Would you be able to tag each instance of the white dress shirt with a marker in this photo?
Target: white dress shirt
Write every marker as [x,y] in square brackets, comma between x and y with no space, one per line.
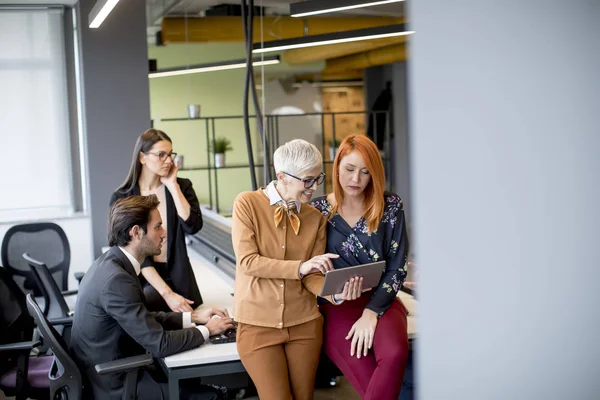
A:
[275,197]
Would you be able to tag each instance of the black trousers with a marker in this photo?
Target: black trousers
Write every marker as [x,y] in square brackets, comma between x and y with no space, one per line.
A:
[180,282]
[154,301]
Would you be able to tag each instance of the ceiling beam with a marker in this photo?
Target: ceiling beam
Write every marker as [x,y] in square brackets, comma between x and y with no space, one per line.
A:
[380,56]
[310,54]
[229,29]
[331,76]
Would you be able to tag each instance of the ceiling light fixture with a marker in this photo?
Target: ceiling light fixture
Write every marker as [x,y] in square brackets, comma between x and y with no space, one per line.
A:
[332,38]
[220,66]
[100,11]
[315,7]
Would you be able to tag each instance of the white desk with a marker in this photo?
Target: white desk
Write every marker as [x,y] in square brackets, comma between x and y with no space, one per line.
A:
[411,306]
[208,359]
[221,359]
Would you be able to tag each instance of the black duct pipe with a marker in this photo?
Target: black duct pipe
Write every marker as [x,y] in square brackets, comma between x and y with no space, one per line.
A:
[259,116]
[246,92]
[248,27]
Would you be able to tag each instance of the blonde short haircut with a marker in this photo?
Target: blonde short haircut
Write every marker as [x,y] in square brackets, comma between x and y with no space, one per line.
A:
[296,156]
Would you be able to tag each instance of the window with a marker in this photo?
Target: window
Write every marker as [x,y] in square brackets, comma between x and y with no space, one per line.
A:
[35,159]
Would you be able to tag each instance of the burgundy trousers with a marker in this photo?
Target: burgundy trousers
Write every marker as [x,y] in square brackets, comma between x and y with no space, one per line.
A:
[378,376]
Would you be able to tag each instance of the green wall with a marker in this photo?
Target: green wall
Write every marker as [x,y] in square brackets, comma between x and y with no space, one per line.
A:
[219,93]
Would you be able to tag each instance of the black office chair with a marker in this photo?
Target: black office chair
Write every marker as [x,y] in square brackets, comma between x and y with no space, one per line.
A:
[54,300]
[44,241]
[21,375]
[55,305]
[66,382]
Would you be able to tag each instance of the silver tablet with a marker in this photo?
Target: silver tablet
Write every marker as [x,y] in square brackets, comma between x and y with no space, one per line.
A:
[335,280]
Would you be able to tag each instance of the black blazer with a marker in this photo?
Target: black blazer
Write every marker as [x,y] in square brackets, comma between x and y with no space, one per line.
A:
[111,322]
[179,269]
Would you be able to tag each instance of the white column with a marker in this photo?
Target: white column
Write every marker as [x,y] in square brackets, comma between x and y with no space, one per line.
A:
[505,148]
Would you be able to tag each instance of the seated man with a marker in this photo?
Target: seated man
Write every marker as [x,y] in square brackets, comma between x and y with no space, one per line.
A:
[111,320]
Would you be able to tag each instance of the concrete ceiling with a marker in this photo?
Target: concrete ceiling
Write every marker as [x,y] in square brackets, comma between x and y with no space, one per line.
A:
[196,8]
[157,9]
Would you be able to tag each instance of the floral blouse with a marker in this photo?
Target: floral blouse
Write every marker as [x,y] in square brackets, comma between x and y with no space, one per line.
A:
[355,246]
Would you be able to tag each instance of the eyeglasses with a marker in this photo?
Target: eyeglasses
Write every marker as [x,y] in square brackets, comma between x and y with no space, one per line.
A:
[162,156]
[309,182]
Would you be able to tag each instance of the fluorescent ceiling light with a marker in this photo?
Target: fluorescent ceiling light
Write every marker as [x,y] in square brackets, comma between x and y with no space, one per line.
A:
[379,32]
[100,11]
[194,69]
[315,7]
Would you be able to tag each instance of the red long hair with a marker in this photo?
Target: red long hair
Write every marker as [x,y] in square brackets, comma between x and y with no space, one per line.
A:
[374,201]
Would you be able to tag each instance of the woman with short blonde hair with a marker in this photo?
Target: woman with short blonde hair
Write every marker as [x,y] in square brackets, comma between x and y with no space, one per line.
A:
[279,242]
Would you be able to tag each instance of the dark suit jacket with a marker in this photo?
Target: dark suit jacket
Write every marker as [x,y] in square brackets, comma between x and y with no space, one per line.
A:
[112,322]
[179,270]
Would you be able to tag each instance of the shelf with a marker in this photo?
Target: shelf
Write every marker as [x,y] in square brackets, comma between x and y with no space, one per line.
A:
[236,166]
[269,116]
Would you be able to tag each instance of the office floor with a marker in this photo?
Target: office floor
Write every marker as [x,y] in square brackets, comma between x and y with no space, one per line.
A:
[343,391]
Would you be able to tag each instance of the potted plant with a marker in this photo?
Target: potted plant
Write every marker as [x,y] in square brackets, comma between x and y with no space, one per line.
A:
[334,143]
[221,146]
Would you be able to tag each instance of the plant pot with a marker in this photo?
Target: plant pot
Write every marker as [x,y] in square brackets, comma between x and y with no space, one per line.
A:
[179,161]
[332,151]
[194,111]
[219,160]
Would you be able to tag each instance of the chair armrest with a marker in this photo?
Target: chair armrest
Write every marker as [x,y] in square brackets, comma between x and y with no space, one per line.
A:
[124,364]
[79,276]
[61,321]
[19,346]
[69,292]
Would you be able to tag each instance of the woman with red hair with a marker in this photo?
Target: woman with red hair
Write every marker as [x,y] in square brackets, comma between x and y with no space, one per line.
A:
[367,337]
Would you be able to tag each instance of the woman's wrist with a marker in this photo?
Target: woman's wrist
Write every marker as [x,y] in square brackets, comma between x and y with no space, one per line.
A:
[367,313]
[173,187]
[165,292]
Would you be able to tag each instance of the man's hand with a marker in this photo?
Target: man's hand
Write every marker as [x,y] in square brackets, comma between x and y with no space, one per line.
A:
[362,334]
[217,325]
[177,302]
[203,316]
[352,289]
[320,264]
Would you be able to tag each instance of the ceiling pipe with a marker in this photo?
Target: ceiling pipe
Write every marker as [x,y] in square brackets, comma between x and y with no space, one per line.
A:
[310,54]
[381,56]
[332,76]
[228,29]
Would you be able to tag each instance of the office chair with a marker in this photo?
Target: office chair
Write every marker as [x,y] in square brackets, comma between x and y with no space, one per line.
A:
[21,376]
[66,381]
[55,306]
[54,301]
[44,241]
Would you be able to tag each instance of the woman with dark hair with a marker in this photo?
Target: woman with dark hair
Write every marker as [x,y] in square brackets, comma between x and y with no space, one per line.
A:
[169,282]
[366,338]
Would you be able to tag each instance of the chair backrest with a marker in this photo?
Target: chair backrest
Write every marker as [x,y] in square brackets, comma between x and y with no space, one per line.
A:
[43,241]
[64,374]
[55,304]
[16,325]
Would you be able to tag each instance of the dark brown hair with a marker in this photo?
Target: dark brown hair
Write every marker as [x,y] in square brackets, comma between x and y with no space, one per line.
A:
[143,145]
[126,213]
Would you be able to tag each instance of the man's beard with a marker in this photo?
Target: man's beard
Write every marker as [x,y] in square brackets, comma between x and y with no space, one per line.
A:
[149,249]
